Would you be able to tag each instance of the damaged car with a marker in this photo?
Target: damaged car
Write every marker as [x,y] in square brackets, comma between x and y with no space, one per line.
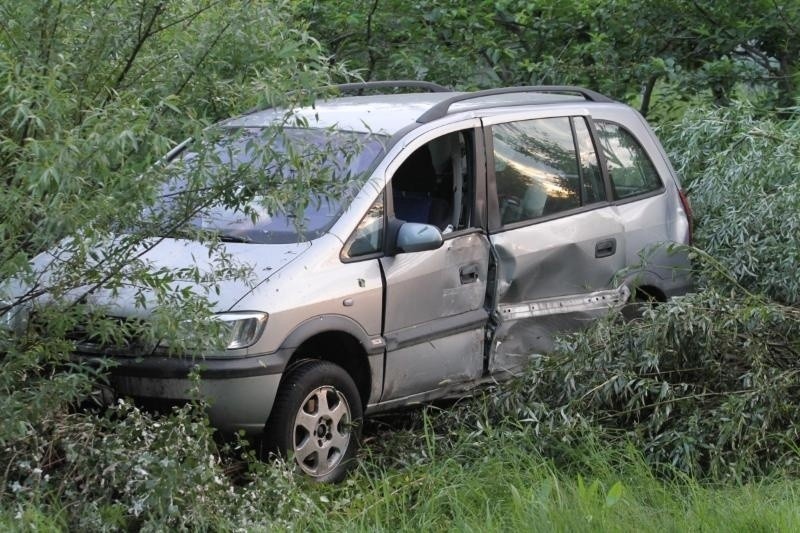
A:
[486,222]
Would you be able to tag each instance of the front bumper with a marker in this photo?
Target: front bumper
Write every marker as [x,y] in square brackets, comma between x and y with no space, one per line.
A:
[240,392]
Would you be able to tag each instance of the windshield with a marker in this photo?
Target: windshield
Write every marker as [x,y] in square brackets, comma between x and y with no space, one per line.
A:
[281,169]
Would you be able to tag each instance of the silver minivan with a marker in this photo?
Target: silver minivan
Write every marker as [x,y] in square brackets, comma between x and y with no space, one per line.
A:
[486,222]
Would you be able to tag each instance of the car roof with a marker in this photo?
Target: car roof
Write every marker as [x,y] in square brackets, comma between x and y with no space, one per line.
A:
[389,113]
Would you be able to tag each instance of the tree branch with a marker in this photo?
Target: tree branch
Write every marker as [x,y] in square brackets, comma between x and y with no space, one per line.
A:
[370,52]
[203,57]
[647,94]
[190,16]
[142,37]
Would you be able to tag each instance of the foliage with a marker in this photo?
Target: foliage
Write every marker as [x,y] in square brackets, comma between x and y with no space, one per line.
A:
[741,171]
[126,468]
[623,48]
[706,383]
[94,93]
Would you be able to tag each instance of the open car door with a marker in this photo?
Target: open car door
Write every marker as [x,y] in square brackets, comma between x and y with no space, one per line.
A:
[435,301]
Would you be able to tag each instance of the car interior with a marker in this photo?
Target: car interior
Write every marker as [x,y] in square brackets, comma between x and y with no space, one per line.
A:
[434,185]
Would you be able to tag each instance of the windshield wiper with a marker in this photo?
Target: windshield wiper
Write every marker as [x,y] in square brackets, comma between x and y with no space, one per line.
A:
[234,238]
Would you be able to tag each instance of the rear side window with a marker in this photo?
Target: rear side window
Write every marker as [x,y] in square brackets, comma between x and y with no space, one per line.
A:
[630,169]
[543,167]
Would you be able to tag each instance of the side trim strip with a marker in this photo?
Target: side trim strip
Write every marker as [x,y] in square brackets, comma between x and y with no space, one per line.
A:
[435,329]
[565,304]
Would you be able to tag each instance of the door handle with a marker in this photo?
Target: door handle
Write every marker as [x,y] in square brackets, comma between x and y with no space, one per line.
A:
[605,248]
[468,274]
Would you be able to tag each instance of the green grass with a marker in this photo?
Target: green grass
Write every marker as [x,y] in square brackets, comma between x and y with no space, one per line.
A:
[499,484]
[31,517]
[430,477]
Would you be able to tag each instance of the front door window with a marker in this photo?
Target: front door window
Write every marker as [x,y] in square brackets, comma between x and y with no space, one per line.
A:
[434,184]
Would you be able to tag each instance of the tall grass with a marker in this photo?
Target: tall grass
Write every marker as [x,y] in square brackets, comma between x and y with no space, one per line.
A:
[423,479]
[499,482]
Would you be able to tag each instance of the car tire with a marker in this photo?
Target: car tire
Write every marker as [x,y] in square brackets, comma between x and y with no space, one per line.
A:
[316,420]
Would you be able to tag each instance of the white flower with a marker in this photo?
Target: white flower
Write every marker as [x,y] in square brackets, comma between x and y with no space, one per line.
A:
[137,508]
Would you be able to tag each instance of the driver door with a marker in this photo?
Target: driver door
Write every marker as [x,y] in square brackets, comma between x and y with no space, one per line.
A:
[434,315]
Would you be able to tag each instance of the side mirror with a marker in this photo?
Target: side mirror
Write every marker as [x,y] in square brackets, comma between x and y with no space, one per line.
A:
[415,237]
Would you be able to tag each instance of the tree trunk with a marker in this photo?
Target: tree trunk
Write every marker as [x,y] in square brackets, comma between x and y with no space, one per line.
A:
[787,86]
[647,95]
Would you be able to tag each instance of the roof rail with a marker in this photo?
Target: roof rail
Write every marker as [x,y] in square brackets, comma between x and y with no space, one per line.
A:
[440,110]
[390,84]
[370,85]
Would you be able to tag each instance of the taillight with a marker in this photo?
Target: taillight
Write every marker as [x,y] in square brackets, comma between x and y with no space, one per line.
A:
[687,208]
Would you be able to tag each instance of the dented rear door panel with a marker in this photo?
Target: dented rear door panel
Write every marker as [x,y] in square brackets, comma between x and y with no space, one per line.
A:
[549,279]
[553,269]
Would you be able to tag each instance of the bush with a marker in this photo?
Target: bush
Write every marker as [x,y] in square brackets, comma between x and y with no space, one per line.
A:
[126,468]
[706,383]
[93,95]
[742,171]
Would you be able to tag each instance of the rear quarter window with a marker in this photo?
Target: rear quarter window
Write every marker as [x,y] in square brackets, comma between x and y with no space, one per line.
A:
[630,169]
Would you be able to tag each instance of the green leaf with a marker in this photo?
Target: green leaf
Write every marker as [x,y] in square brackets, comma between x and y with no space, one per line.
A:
[614,494]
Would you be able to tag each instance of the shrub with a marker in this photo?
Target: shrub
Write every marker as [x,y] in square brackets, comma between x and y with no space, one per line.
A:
[93,95]
[706,383]
[742,174]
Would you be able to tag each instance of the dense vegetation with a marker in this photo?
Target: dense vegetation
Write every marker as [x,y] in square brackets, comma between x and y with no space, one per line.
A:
[684,417]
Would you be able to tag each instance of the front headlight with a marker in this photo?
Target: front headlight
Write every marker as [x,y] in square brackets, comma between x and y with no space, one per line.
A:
[224,333]
[240,330]
[11,319]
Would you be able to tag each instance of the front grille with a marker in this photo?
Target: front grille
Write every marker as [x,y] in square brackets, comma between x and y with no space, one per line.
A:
[123,337]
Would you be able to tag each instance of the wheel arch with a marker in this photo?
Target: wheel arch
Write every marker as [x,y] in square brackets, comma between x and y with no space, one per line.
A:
[339,340]
[645,285]
[647,293]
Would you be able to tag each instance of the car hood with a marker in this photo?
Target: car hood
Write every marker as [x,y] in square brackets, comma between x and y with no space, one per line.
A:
[259,261]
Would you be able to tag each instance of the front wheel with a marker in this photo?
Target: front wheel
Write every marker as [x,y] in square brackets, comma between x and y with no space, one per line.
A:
[315,420]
